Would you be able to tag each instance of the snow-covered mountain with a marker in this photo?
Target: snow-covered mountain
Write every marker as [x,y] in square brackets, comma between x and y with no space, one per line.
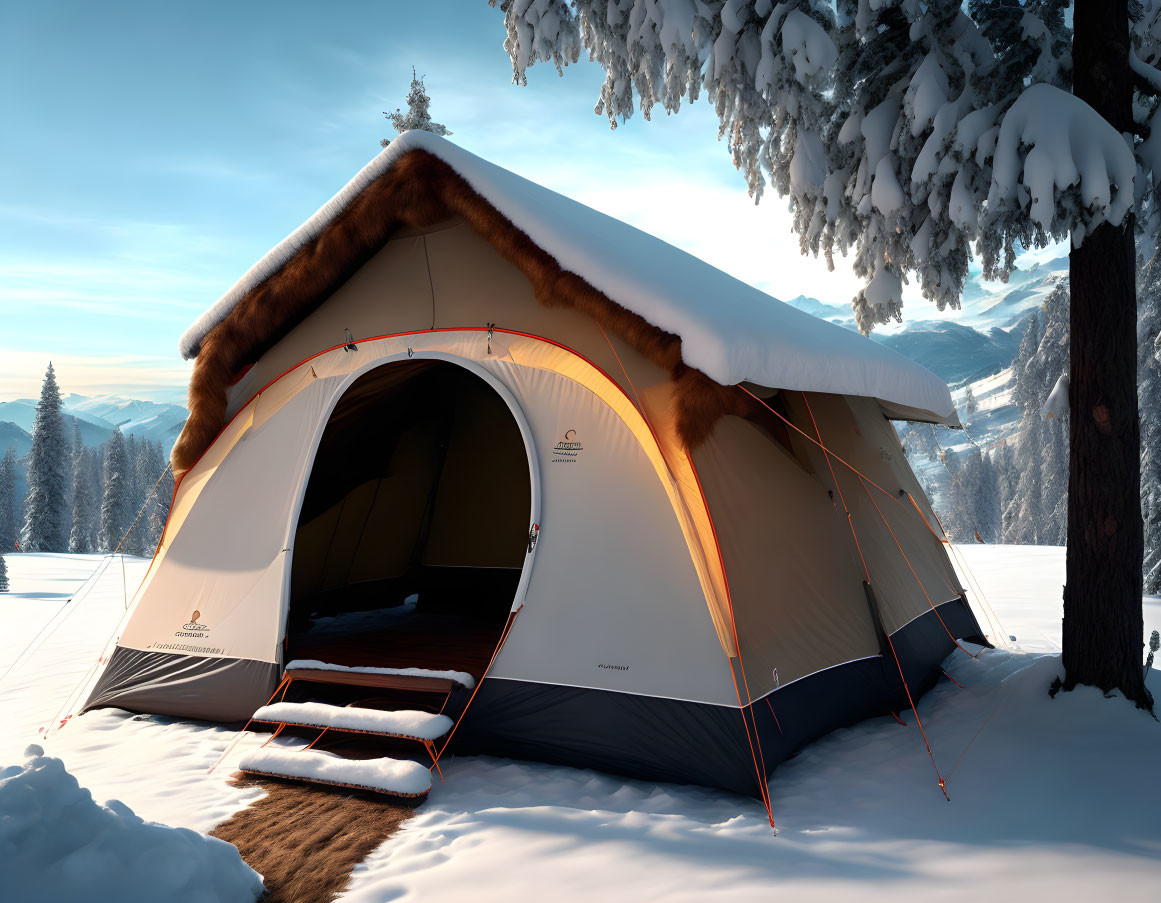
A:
[98,416]
[156,421]
[12,436]
[839,314]
[955,353]
[20,415]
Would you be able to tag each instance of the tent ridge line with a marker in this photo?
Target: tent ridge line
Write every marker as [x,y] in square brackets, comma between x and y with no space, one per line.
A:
[418,189]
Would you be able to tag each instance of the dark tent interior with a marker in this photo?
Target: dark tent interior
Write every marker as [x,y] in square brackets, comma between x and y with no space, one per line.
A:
[414,526]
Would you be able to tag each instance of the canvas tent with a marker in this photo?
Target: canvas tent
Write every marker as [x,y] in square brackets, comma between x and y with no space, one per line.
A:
[457,398]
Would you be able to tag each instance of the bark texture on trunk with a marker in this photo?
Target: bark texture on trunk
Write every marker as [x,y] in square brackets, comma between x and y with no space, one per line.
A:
[1103,627]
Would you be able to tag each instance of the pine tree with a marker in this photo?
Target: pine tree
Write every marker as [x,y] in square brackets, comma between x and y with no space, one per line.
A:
[148,467]
[9,504]
[3,575]
[82,537]
[162,498]
[917,134]
[973,504]
[132,489]
[969,402]
[417,115]
[1036,510]
[46,517]
[115,514]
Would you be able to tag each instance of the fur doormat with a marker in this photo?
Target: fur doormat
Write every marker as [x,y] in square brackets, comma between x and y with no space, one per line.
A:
[305,840]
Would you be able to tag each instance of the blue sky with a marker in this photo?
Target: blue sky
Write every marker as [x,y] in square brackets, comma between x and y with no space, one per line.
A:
[151,152]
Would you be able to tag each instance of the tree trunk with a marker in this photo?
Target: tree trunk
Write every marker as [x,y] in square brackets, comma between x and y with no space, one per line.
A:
[1103,627]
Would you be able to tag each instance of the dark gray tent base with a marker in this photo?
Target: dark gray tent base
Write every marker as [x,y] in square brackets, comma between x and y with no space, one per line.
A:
[187,686]
[696,743]
[639,736]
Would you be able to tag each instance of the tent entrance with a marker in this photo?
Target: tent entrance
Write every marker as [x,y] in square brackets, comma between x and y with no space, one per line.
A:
[413,530]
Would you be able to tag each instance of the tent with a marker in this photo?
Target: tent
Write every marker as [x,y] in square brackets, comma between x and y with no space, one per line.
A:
[457,420]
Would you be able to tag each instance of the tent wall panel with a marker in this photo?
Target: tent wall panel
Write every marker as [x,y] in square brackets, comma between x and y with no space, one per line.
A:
[265,466]
[390,293]
[868,442]
[473,285]
[614,573]
[795,581]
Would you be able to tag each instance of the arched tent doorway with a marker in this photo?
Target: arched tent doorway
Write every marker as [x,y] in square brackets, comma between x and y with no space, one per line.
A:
[413,530]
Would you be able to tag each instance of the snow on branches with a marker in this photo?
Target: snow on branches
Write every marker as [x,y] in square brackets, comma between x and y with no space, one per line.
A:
[911,134]
[418,114]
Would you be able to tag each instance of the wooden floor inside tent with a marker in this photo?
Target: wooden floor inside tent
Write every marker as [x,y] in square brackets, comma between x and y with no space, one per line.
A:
[440,642]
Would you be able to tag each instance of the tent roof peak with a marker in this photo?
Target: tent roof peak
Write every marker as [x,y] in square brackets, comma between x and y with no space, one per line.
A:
[729,330]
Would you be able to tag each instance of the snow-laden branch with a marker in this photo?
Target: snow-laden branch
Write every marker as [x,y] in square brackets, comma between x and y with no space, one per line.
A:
[1051,144]
[906,131]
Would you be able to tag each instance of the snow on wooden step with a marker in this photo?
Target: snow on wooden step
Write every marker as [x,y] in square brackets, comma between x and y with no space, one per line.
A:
[416,725]
[460,677]
[401,777]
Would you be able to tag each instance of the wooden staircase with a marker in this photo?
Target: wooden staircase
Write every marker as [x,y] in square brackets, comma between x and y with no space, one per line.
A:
[389,775]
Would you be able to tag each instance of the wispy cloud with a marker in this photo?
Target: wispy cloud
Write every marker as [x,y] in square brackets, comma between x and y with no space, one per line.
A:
[140,376]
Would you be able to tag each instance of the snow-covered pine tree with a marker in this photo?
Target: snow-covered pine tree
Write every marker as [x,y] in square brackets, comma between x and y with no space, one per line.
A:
[115,513]
[163,497]
[9,504]
[915,133]
[3,575]
[1006,479]
[1036,512]
[970,405]
[149,465]
[973,499]
[97,481]
[418,115]
[135,477]
[82,535]
[132,491]
[46,518]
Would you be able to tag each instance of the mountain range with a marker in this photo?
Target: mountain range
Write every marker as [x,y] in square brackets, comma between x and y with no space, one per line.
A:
[976,341]
[97,417]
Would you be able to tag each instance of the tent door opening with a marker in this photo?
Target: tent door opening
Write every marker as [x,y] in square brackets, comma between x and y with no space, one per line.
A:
[413,531]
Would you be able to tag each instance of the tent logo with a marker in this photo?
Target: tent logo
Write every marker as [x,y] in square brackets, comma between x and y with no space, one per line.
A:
[568,449]
[193,628]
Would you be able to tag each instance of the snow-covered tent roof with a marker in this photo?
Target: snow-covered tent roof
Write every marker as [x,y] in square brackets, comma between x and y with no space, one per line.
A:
[729,330]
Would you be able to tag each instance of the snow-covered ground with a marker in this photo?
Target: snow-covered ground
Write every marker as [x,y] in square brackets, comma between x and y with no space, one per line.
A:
[58,845]
[1050,798]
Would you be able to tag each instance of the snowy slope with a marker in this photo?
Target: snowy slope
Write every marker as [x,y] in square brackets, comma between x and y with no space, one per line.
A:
[12,436]
[1052,799]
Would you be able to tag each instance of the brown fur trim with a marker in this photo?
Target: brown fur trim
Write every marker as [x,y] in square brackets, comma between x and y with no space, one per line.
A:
[419,191]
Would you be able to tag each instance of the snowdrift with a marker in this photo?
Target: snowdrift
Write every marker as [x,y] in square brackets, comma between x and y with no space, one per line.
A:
[57,845]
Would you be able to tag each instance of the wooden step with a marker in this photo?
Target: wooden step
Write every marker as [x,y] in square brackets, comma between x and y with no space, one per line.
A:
[407,724]
[396,777]
[418,679]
